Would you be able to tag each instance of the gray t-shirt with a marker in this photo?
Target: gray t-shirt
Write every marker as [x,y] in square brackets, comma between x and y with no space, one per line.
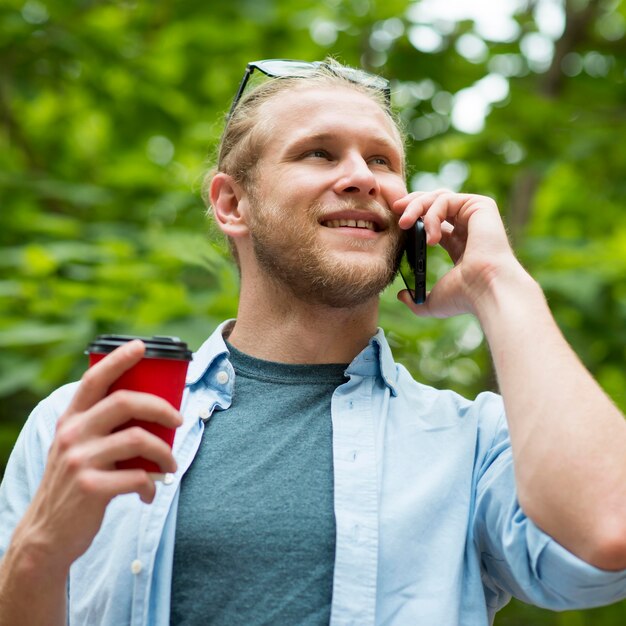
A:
[255,536]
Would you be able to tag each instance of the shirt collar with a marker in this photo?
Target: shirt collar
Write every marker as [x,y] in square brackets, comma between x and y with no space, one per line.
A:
[213,348]
[375,359]
[388,368]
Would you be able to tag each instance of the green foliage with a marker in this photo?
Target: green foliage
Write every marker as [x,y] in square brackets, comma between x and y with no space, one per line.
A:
[109,116]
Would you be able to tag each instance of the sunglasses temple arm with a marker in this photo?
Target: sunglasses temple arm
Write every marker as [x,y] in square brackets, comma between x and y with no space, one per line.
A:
[242,86]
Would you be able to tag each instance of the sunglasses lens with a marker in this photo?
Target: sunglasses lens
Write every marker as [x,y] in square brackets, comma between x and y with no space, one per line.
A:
[278,67]
[363,78]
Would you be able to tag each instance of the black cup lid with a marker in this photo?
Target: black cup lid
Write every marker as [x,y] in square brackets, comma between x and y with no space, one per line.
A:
[156,347]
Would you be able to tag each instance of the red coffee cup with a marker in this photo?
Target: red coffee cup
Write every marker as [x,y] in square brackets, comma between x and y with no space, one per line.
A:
[162,372]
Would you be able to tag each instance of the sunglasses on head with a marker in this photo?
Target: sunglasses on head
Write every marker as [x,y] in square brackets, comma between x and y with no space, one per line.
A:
[287,68]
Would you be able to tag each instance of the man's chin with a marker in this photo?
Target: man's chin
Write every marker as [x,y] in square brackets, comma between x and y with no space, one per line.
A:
[347,284]
[340,272]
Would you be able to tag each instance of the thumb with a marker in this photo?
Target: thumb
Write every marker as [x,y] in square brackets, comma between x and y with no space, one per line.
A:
[445,299]
[421,310]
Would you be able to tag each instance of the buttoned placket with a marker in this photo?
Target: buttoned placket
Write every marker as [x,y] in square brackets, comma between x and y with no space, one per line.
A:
[154,515]
[197,411]
[356,504]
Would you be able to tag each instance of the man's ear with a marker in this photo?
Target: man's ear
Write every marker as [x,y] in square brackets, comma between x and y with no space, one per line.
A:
[227,198]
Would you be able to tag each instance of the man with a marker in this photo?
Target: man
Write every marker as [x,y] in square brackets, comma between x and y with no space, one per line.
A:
[312,479]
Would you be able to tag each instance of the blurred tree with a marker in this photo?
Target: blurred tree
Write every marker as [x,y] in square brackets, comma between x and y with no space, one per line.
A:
[109,110]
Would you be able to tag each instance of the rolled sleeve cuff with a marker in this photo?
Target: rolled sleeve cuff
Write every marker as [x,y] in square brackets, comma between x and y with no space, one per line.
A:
[571,582]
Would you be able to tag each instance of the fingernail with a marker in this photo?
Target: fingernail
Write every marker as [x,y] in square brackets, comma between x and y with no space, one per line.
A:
[135,345]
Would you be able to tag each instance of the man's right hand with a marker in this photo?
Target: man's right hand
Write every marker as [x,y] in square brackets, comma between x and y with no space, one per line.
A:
[81,479]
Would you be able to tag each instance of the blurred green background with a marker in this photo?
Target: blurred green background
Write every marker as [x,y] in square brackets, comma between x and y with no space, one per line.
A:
[110,113]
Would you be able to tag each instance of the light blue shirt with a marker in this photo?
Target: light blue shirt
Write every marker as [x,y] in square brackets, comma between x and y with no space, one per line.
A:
[429,530]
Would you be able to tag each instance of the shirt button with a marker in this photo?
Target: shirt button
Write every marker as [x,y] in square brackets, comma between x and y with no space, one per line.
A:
[222,377]
[205,414]
[136,566]
[168,479]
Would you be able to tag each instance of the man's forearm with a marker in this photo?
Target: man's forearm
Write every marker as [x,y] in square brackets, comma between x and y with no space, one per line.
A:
[568,438]
[30,593]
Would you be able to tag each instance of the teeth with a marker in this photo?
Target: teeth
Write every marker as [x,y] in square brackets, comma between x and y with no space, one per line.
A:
[351,224]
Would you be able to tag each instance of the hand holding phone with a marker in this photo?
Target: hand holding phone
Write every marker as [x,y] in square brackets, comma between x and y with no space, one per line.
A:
[413,263]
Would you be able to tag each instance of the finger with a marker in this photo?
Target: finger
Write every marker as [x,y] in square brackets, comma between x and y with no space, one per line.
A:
[413,211]
[400,205]
[97,379]
[420,203]
[123,405]
[125,444]
[109,484]
[426,196]
[447,206]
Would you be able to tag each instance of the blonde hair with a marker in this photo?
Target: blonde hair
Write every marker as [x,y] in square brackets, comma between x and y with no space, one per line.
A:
[251,125]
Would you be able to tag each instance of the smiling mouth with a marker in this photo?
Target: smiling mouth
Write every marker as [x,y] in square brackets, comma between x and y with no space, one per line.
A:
[366,224]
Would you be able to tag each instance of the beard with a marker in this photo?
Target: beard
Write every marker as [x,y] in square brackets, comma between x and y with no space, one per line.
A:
[291,254]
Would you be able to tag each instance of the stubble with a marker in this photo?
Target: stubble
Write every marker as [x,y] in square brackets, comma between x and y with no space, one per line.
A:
[290,252]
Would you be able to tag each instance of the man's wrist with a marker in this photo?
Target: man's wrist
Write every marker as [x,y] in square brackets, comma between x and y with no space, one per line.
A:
[32,590]
[509,293]
[30,559]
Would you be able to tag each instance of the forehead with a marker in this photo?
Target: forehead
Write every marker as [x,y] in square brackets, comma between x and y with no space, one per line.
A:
[316,111]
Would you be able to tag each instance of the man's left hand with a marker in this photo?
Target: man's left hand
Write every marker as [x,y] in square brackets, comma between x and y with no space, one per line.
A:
[470,229]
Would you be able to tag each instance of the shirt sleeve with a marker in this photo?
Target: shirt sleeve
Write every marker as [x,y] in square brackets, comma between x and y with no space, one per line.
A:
[520,559]
[27,461]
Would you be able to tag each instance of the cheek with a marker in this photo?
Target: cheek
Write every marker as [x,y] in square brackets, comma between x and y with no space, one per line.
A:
[394,189]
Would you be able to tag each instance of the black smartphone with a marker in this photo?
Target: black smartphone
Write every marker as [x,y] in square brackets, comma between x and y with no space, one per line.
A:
[413,263]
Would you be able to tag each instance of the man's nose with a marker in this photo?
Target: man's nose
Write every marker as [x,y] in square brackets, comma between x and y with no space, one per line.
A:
[357,178]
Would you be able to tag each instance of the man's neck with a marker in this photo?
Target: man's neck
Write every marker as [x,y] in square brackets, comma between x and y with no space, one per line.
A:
[288,330]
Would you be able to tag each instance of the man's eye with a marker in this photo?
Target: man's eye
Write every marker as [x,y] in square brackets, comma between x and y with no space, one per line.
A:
[380,161]
[319,154]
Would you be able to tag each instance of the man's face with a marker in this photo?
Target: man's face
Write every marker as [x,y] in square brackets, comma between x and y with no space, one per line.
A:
[319,217]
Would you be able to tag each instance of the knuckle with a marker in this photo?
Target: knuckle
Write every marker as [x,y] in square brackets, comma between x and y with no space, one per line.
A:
[121,400]
[74,460]
[135,435]
[89,378]
[86,483]
[66,437]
